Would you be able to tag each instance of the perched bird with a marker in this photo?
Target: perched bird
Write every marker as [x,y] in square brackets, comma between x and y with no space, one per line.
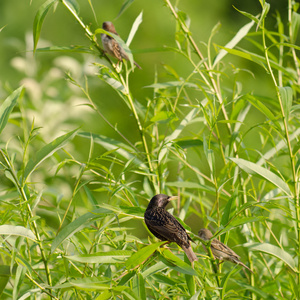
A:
[111,46]
[165,227]
[220,250]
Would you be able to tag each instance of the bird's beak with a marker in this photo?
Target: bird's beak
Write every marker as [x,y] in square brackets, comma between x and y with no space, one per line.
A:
[172,198]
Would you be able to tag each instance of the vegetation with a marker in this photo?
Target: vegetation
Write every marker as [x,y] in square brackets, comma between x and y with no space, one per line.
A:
[73,198]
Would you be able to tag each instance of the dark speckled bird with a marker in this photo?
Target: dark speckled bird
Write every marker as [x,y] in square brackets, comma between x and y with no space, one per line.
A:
[220,250]
[165,227]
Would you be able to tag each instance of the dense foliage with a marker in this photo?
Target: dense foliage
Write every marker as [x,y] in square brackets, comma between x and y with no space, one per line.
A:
[73,198]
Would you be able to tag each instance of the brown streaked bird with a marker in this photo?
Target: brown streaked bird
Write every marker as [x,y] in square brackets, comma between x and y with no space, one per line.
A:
[165,227]
[111,46]
[220,250]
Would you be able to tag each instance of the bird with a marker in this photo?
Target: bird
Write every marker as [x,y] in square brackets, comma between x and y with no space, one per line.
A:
[220,250]
[165,226]
[111,46]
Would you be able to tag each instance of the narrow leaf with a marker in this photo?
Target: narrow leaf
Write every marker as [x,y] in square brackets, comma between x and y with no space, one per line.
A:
[286,94]
[142,255]
[76,225]
[39,19]
[134,28]
[7,107]
[237,38]
[17,230]
[252,168]
[275,251]
[176,263]
[111,144]
[46,152]
[108,257]
[125,5]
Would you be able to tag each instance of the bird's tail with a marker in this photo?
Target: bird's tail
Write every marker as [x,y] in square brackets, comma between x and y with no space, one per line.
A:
[190,254]
[137,65]
[240,263]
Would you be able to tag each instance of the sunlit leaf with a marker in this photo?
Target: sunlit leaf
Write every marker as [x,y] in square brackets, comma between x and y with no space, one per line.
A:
[77,49]
[176,263]
[7,107]
[252,168]
[275,251]
[295,26]
[163,117]
[107,257]
[169,84]
[236,39]
[142,255]
[134,28]
[17,230]
[286,94]
[125,5]
[78,224]
[39,20]
[46,152]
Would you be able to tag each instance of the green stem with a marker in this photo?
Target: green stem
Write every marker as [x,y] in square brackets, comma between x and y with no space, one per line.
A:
[287,137]
[32,224]
[140,128]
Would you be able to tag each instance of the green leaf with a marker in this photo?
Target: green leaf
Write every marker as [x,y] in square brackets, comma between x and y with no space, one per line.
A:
[7,107]
[39,19]
[134,28]
[225,280]
[252,168]
[107,257]
[68,49]
[176,263]
[78,224]
[17,230]
[169,84]
[90,283]
[138,287]
[188,143]
[265,10]
[295,26]
[244,220]
[174,135]
[228,210]
[164,117]
[237,38]
[286,94]
[125,5]
[260,293]
[46,152]
[157,268]
[261,107]
[5,274]
[111,144]
[142,255]
[275,251]
[134,211]
[191,185]
[73,4]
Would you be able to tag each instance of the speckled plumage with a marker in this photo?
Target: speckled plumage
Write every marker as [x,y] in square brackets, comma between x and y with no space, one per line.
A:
[111,46]
[220,250]
[165,227]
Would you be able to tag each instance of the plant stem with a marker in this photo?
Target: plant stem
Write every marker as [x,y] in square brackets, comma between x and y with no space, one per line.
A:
[32,224]
[288,142]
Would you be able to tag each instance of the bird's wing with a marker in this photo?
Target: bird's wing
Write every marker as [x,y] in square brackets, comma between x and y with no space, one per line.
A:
[117,50]
[223,250]
[168,228]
